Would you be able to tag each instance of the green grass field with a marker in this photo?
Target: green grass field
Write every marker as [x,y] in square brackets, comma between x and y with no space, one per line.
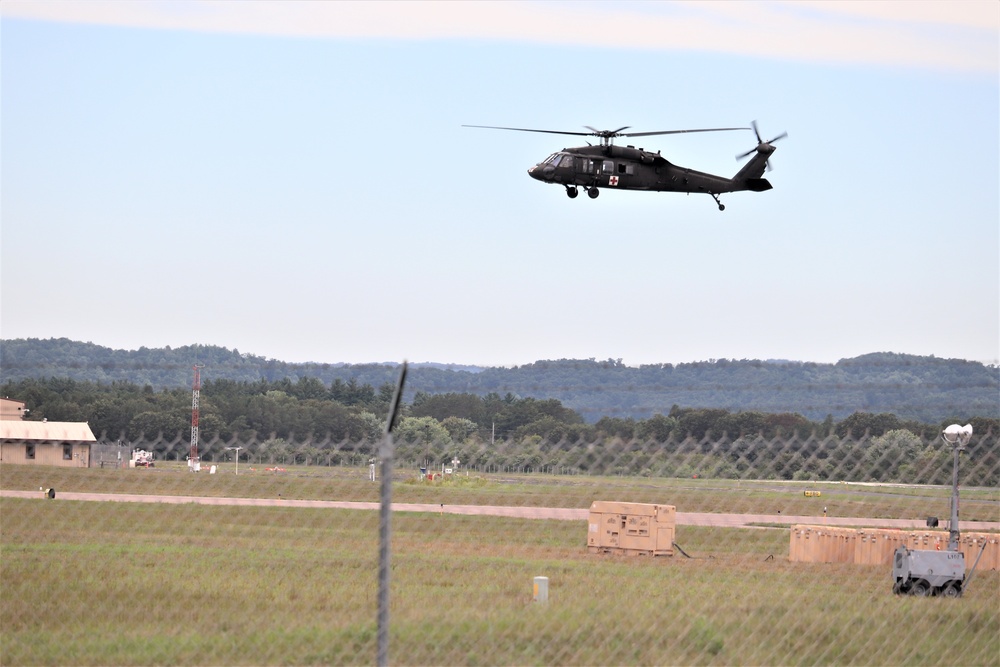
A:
[688,495]
[88,583]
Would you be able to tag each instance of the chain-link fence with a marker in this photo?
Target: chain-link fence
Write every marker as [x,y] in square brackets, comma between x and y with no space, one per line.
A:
[269,554]
[895,457]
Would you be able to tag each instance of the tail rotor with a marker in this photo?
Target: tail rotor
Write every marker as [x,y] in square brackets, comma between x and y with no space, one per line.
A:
[762,146]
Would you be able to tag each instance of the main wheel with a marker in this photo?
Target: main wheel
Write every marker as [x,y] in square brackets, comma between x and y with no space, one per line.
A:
[572,193]
[593,193]
[951,591]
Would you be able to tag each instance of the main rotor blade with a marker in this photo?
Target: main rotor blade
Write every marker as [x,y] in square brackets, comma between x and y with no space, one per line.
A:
[710,129]
[525,129]
[607,133]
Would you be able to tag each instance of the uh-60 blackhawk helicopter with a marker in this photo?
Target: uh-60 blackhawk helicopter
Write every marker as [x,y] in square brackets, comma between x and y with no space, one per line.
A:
[630,168]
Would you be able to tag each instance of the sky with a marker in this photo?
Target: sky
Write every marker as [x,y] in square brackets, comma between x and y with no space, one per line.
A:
[293,179]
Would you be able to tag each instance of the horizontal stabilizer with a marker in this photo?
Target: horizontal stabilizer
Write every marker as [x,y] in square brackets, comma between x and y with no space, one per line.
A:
[758,184]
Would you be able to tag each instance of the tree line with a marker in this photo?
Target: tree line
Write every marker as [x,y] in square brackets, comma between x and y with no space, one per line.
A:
[307,421]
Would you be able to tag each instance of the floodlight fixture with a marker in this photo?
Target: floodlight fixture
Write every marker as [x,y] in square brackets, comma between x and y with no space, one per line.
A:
[956,434]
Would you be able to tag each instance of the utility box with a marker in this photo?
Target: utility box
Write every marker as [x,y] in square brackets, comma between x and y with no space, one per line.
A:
[634,529]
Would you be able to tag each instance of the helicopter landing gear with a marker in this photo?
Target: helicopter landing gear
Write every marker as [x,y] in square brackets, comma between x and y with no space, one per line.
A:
[722,207]
[593,193]
[572,192]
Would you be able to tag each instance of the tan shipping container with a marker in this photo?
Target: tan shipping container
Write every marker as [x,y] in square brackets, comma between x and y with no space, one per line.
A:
[875,546]
[972,544]
[631,528]
[821,544]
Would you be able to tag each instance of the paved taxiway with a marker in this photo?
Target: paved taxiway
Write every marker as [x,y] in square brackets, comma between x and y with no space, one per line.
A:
[683,518]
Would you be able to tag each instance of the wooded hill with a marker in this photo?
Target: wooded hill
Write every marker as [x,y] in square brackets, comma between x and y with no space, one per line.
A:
[923,389]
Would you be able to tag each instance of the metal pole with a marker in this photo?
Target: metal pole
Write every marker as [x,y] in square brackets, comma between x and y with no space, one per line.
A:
[237,450]
[958,437]
[953,534]
[384,552]
[194,462]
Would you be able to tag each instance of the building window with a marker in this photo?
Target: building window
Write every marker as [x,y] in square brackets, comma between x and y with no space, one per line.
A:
[29,452]
[67,452]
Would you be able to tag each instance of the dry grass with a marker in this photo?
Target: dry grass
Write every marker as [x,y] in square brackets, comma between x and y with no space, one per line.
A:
[123,584]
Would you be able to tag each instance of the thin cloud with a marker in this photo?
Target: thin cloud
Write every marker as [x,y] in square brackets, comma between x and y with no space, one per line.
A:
[957,36]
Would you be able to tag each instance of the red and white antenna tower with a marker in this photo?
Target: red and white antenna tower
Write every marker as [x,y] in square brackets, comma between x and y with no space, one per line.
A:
[193,461]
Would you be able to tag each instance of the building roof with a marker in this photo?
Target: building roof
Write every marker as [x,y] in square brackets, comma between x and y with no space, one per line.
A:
[11,409]
[46,431]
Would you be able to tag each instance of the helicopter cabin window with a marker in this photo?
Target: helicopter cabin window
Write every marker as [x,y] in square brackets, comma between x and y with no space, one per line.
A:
[558,159]
[626,168]
[609,167]
[585,165]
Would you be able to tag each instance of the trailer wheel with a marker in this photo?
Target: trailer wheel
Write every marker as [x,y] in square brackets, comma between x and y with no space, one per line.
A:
[920,588]
[951,591]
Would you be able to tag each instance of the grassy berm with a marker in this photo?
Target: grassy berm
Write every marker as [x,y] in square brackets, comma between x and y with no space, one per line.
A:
[89,583]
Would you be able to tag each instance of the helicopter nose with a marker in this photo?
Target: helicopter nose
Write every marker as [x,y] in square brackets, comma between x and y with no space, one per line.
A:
[541,172]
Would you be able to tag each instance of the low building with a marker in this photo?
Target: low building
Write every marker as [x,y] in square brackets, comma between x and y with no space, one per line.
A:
[46,443]
[12,409]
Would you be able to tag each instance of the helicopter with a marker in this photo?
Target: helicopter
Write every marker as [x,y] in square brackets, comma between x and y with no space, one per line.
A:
[629,168]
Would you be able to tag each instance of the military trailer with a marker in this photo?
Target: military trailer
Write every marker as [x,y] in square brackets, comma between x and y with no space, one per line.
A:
[923,572]
[633,529]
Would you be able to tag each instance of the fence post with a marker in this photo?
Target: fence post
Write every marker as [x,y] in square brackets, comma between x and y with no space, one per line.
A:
[384,553]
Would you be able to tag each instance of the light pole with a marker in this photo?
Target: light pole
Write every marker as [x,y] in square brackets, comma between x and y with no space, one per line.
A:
[237,450]
[958,437]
